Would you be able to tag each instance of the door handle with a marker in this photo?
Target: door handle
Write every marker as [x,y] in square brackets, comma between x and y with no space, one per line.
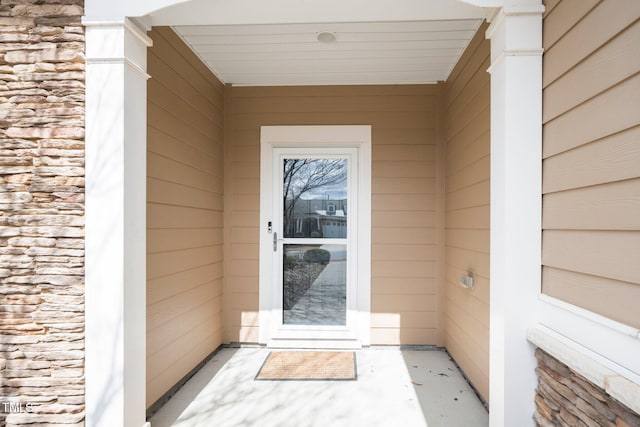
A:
[275,241]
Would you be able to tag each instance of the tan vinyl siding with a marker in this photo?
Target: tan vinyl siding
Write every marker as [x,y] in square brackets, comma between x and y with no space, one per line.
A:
[184,213]
[591,156]
[467,96]
[404,239]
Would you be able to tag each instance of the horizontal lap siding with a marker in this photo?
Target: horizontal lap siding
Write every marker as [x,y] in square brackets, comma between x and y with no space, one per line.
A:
[184,213]
[591,156]
[467,212]
[404,252]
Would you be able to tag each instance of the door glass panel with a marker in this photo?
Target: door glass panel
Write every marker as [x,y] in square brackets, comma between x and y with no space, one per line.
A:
[314,285]
[315,198]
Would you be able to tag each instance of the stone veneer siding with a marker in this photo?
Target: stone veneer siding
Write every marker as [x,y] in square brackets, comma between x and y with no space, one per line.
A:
[565,398]
[41,212]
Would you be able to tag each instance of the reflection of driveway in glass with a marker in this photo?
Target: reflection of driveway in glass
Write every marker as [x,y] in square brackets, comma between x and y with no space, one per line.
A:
[325,302]
[336,255]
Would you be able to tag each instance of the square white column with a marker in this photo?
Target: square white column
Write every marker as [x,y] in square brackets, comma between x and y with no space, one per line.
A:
[516,209]
[115,287]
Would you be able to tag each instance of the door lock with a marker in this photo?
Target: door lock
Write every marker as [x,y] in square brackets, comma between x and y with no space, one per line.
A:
[269,227]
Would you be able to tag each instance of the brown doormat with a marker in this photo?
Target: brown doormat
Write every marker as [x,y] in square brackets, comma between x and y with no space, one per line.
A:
[309,365]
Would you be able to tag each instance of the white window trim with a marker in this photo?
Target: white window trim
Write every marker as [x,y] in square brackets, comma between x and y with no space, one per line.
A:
[357,136]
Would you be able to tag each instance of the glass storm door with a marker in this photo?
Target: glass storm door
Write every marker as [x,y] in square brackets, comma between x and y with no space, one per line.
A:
[314,207]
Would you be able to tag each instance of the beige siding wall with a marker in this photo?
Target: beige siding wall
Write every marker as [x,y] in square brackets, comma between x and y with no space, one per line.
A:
[467,211]
[591,152]
[404,252]
[184,212]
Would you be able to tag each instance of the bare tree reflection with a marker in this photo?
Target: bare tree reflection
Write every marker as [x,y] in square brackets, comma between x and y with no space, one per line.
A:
[305,175]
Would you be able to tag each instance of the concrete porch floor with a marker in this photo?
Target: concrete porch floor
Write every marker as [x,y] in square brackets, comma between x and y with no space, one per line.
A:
[394,388]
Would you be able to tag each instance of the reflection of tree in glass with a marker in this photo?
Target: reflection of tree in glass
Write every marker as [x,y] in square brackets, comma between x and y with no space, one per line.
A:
[304,175]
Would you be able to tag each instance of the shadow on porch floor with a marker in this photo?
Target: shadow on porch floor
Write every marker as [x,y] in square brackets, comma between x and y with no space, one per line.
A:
[394,388]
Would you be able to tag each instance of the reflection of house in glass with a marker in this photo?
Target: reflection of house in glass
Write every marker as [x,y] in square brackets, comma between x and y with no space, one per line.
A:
[319,218]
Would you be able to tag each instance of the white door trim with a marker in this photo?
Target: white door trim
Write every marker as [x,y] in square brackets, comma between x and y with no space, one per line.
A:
[358,137]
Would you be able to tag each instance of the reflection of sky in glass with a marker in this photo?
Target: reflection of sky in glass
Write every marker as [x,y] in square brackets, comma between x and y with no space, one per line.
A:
[332,192]
[335,190]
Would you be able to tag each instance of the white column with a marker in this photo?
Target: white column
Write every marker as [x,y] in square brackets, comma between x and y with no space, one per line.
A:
[116,99]
[516,204]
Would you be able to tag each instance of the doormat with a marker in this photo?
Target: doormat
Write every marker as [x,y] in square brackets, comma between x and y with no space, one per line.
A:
[309,365]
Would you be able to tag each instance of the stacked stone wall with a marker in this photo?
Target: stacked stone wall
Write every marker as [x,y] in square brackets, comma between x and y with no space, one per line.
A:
[41,212]
[565,398]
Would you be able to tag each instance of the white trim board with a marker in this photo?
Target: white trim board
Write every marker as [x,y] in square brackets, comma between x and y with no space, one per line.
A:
[611,344]
[583,361]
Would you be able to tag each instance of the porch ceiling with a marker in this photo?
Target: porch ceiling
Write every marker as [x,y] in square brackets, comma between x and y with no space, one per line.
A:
[397,52]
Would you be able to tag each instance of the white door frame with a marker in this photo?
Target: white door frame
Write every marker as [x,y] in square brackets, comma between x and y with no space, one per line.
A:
[316,137]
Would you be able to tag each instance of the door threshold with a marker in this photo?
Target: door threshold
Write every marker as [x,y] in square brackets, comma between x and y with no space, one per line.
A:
[348,344]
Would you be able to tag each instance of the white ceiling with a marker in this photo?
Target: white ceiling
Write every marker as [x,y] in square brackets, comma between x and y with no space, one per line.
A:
[363,53]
